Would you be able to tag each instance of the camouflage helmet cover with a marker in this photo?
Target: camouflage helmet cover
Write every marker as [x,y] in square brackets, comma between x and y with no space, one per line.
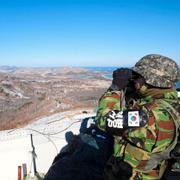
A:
[158,71]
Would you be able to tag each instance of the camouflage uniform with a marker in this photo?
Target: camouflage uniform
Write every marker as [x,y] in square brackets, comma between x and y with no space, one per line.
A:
[160,131]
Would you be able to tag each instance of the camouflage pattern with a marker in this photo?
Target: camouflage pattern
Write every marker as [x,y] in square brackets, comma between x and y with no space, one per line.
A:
[155,137]
[109,101]
[158,71]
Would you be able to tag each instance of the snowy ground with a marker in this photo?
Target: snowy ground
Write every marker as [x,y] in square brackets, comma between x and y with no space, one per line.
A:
[48,137]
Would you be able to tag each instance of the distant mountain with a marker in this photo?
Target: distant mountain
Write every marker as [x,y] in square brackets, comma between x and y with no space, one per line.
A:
[8,68]
[70,70]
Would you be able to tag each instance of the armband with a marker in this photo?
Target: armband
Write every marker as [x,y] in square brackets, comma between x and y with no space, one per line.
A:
[119,121]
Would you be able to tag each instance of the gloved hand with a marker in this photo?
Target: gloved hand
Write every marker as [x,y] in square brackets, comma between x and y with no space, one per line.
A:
[121,77]
[115,168]
[175,153]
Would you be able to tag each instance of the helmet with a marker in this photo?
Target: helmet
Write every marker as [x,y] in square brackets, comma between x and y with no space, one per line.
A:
[157,70]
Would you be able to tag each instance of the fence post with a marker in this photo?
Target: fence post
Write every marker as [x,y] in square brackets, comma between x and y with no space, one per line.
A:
[19,173]
[24,168]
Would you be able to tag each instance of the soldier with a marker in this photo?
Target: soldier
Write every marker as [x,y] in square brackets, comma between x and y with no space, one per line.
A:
[140,110]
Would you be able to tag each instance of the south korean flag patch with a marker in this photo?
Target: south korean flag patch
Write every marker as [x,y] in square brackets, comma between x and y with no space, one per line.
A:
[133,119]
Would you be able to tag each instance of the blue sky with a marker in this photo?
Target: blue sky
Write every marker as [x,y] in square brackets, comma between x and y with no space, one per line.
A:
[87,32]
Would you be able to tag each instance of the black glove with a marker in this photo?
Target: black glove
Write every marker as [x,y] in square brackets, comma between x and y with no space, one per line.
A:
[175,153]
[121,77]
[116,169]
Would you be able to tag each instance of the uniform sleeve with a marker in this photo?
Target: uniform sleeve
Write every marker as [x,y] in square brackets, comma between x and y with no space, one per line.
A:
[145,137]
[157,135]
[165,129]
[108,102]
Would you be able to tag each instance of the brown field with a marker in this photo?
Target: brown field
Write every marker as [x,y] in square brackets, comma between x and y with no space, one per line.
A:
[27,94]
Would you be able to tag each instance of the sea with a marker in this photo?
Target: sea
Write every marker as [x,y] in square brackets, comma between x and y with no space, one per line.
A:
[109,70]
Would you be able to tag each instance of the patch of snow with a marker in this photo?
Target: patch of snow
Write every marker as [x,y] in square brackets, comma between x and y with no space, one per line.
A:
[14,93]
[6,83]
[48,137]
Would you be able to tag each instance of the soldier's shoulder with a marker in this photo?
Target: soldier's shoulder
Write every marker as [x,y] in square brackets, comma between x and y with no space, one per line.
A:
[112,93]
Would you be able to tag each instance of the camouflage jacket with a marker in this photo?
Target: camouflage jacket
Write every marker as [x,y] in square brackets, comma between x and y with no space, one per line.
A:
[156,136]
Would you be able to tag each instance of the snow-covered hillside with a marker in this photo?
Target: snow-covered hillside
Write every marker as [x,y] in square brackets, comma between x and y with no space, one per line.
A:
[48,138]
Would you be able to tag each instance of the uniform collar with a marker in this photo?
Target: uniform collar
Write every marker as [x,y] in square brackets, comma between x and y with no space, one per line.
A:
[158,93]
